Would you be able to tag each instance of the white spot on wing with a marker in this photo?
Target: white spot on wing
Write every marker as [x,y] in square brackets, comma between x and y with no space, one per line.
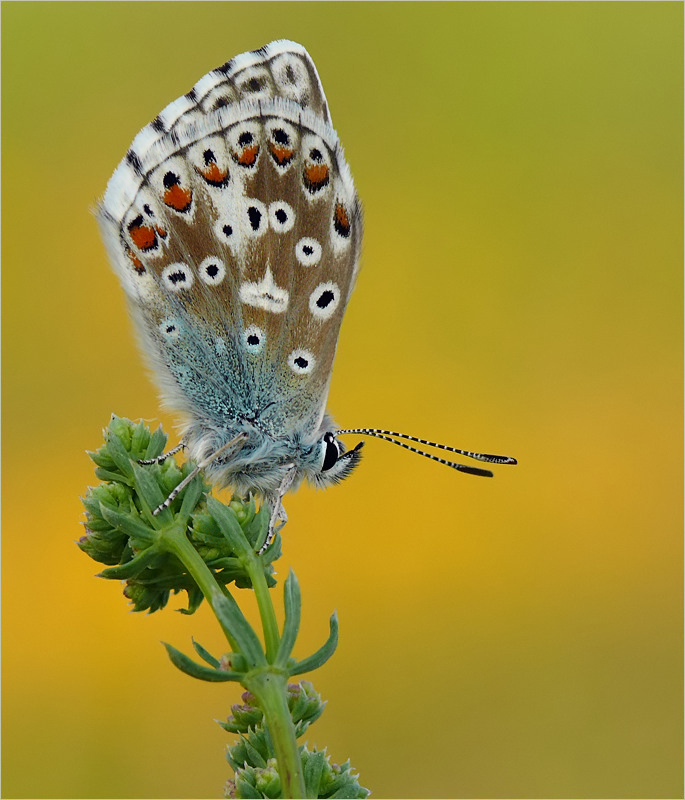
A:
[264,294]
[253,339]
[324,300]
[308,252]
[169,328]
[301,362]
[281,216]
[177,277]
[212,271]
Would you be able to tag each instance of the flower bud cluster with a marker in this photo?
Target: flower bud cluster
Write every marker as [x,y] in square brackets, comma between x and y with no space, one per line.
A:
[123,533]
[322,778]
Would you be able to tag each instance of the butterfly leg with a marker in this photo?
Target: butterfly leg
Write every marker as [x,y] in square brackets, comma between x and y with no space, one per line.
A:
[163,457]
[234,446]
[278,515]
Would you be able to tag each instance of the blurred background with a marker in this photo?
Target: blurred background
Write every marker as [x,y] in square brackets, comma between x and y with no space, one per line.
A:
[521,170]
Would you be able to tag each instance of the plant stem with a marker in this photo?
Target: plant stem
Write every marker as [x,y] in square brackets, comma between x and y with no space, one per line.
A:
[266,607]
[268,683]
[270,688]
[176,542]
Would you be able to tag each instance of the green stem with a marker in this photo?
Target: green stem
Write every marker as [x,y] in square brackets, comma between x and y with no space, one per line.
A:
[267,613]
[268,684]
[270,688]
[176,542]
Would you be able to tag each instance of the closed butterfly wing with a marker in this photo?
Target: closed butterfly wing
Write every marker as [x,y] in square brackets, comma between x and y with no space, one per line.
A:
[235,228]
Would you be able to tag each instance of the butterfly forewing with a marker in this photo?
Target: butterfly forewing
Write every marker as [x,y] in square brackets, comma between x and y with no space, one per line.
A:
[234,225]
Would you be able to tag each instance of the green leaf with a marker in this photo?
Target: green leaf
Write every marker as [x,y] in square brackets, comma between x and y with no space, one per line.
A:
[246,790]
[314,764]
[107,475]
[140,436]
[191,496]
[229,526]
[150,491]
[190,667]
[131,568]
[120,455]
[291,625]
[233,620]
[156,445]
[322,655]
[128,524]
[195,598]
[205,655]
[256,529]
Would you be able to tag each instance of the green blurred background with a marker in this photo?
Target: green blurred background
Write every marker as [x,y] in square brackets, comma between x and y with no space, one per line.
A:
[521,170]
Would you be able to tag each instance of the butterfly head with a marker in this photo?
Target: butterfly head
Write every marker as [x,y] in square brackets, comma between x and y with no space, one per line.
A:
[330,462]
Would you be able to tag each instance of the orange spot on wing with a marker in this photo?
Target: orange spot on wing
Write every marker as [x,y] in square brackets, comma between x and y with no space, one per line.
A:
[247,156]
[178,198]
[214,175]
[160,232]
[315,176]
[282,155]
[142,236]
[341,221]
[137,263]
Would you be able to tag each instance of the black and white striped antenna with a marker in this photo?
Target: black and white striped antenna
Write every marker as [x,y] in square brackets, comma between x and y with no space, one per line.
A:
[393,436]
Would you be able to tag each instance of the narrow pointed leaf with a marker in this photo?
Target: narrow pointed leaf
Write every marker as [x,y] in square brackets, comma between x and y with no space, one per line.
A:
[150,491]
[119,454]
[156,445]
[195,598]
[322,654]
[133,567]
[191,496]
[232,619]
[313,769]
[128,524]
[190,667]
[105,475]
[246,790]
[291,626]
[139,434]
[205,655]
[229,526]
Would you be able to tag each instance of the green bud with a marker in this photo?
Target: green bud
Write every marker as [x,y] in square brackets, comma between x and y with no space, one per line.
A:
[122,533]
[255,782]
[103,542]
[305,703]
[254,748]
[268,781]
[243,718]
[233,662]
[145,598]
[323,779]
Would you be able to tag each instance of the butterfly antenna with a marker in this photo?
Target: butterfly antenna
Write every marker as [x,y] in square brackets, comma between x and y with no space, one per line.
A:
[388,437]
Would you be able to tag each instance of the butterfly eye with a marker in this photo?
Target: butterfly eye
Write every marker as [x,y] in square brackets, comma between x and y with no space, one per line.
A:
[331,451]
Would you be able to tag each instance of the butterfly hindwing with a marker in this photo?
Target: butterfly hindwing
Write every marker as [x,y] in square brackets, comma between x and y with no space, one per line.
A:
[235,227]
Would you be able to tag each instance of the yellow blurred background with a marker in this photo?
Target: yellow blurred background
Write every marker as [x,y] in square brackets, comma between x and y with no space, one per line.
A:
[520,166]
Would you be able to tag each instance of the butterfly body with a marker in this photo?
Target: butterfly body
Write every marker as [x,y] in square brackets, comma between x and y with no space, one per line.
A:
[235,229]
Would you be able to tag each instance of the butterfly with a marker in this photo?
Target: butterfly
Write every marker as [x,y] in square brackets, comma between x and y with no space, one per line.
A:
[235,229]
